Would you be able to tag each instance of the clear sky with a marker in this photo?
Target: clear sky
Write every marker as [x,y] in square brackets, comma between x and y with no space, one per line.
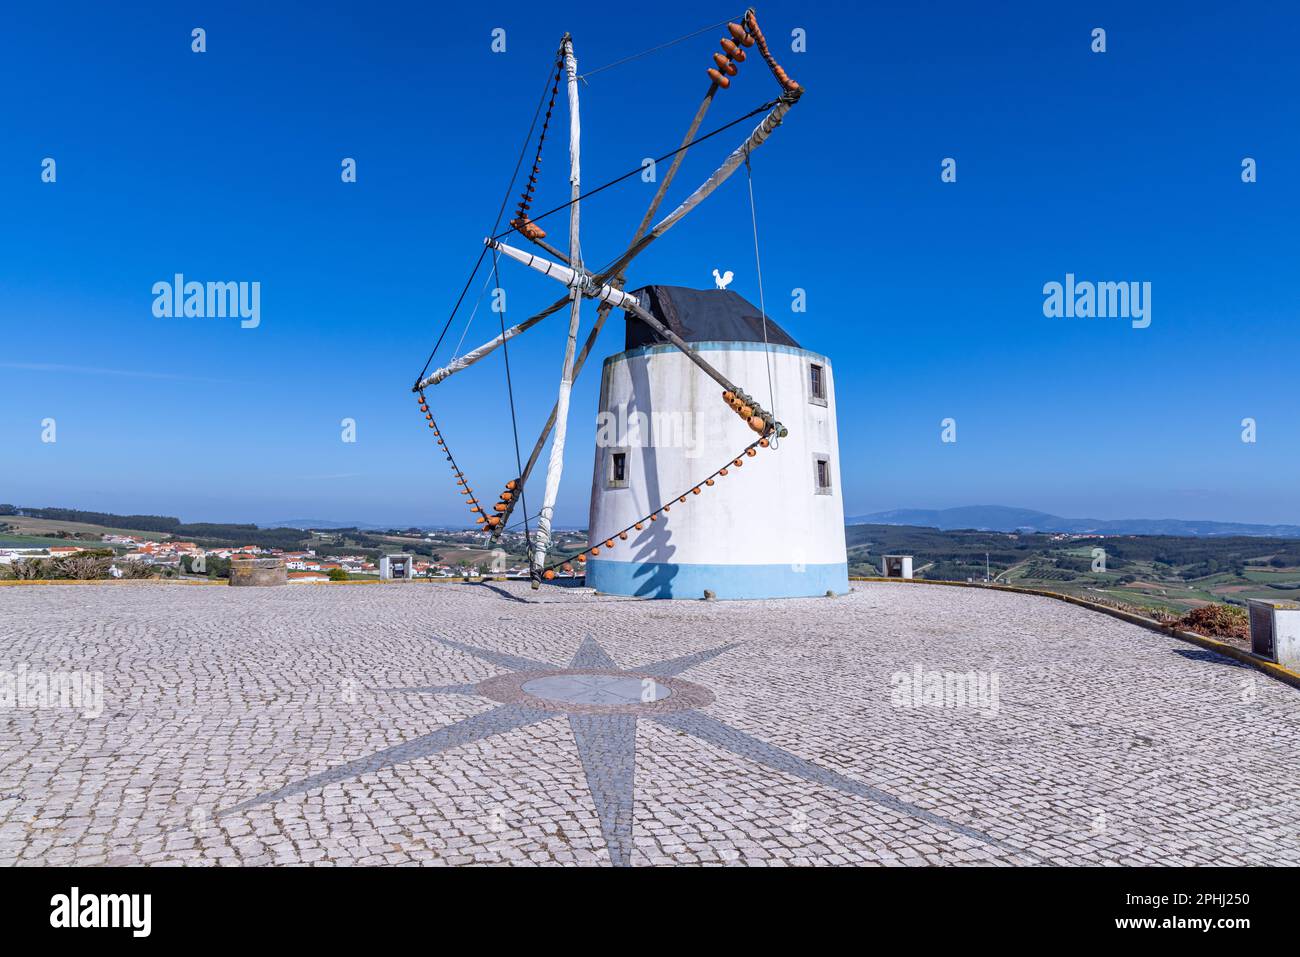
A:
[928,296]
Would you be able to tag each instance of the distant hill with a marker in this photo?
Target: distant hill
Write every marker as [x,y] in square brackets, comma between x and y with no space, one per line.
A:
[321,523]
[1001,518]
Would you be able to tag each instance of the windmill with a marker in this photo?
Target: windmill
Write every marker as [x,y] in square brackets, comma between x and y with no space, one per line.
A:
[644,310]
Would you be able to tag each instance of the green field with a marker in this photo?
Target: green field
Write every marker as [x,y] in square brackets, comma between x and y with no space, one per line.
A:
[1153,572]
[9,540]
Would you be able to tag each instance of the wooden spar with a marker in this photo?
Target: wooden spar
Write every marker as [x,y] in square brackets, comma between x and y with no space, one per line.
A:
[565,274]
[581,281]
[720,175]
[672,170]
[555,467]
[550,249]
[606,307]
[707,368]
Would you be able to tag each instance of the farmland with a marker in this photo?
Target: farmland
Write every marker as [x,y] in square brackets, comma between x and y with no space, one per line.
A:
[1152,572]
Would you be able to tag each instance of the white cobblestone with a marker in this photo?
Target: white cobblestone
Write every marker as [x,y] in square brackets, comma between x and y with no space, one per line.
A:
[1110,744]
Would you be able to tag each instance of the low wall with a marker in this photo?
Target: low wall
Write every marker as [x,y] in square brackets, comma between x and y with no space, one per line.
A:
[258,571]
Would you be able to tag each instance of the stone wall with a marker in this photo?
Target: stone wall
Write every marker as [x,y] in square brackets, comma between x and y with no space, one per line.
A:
[258,571]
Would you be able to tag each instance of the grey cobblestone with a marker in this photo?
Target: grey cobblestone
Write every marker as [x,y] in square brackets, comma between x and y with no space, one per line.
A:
[330,725]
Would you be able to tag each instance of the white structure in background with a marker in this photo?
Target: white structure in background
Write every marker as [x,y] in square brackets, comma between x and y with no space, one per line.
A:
[773,528]
[396,566]
[1275,631]
[10,555]
[896,566]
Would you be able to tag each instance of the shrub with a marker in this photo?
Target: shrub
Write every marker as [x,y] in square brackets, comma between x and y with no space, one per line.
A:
[1223,621]
[338,575]
[26,569]
[81,567]
[135,569]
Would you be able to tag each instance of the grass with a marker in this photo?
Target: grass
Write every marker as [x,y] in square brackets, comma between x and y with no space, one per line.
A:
[33,541]
[1272,575]
[45,526]
[9,540]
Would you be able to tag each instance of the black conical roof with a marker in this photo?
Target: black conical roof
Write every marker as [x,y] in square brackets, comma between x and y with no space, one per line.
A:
[701,315]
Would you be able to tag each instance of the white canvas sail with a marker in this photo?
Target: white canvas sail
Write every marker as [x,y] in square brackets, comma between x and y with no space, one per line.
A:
[554,469]
[570,277]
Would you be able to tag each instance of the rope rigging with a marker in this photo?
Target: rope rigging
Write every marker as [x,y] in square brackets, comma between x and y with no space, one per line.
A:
[514,424]
[758,268]
[496,223]
[606,285]
[654,49]
[473,312]
[749,451]
[521,221]
[636,171]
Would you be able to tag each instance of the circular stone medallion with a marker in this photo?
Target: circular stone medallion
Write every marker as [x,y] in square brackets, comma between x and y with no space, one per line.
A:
[597,689]
[590,691]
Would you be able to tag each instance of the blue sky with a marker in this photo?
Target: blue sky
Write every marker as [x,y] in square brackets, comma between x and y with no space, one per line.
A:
[927,295]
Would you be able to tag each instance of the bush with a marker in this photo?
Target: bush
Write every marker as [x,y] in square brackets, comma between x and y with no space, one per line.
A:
[338,575]
[136,570]
[1222,621]
[29,569]
[80,567]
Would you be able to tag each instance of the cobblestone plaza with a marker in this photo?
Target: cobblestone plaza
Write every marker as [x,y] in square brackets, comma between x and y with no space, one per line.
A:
[489,724]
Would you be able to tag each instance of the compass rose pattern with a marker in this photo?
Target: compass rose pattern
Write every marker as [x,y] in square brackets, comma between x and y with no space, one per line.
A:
[604,703]
[325,727]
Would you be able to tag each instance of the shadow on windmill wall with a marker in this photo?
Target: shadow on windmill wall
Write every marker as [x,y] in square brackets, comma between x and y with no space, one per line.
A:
[652,548]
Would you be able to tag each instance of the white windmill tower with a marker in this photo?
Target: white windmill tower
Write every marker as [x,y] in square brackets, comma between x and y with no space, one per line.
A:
[782,535]
[771,525]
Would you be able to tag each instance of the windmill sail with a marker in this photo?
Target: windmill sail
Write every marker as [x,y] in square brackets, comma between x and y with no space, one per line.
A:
[606,286]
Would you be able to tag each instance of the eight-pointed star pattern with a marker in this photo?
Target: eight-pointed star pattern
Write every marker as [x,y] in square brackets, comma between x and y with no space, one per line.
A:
[604,704]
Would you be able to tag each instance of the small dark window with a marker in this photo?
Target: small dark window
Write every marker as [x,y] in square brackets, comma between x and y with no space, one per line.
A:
[817,381]
[618,468]
[822,474]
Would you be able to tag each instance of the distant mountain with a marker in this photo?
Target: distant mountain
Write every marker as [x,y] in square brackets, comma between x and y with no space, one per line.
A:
[1001,518]
[325,524]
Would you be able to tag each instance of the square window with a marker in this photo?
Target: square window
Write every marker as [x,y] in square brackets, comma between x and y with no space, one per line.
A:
[616,477]
[817,383]
[822,474]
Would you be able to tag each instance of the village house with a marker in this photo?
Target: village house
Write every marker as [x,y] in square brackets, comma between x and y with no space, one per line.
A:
[64,551]
[301,578]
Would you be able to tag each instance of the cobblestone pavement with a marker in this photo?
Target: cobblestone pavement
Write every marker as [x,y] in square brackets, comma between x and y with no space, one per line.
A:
[393,725]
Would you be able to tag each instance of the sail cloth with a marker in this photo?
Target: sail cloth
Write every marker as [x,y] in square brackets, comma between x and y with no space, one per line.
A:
[729,165]
[606,307]
[554,469]
[606,293]
[755,139]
